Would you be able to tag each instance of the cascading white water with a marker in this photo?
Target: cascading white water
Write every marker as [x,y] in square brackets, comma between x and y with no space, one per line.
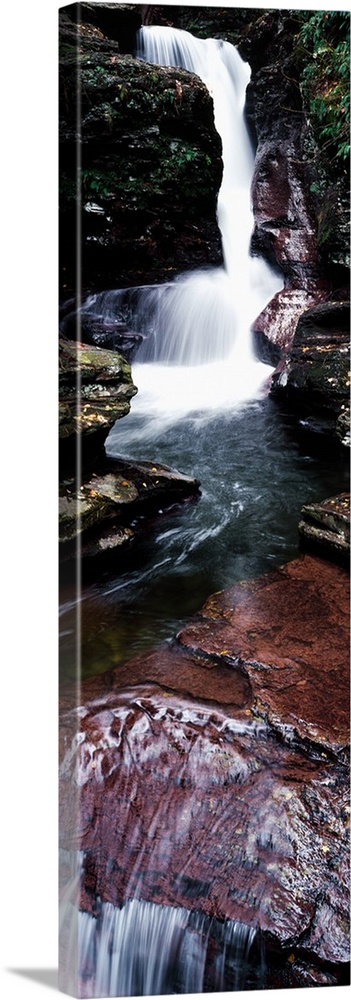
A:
[144,949]
[198,353]
[226,77]
[208,314]
[137,945]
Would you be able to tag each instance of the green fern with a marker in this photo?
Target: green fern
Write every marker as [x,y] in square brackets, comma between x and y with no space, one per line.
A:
[325,36]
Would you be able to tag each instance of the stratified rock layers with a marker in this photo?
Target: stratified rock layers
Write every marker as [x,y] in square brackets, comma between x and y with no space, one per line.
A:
[212,774]
[314,379]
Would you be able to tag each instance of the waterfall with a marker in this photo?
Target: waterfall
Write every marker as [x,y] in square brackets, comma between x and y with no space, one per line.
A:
[196,359]
[226,77]
[197,354]
[141,902]
[144,949]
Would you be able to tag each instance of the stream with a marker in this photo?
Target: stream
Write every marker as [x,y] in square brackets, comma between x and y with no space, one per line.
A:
[203,408]
[255,476]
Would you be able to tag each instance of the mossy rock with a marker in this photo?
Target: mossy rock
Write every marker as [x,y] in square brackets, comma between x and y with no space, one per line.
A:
[151,166]
[95,389]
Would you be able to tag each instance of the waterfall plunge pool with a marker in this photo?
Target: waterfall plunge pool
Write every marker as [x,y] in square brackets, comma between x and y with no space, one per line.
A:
[255,476]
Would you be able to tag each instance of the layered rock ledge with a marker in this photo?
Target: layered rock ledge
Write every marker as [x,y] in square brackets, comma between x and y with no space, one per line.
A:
[225,752]
[112,505]
[95,389]
[313,380]
[104,502]
[325,527]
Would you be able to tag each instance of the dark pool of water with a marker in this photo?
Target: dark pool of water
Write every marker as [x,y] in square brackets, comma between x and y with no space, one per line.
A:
[256,472]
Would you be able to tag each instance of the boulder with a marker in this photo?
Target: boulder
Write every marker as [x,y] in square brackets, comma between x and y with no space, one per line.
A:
[274,329]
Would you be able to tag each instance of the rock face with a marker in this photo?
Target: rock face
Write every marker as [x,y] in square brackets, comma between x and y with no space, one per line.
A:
[108,507]
[252,626]
[314,379]
[286,228]
[325,527]
[229,770]
[151,161]
[113,335]
[102,501]
[95,389]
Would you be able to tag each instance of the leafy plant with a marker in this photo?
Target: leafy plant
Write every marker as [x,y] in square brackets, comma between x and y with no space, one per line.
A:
[325,37]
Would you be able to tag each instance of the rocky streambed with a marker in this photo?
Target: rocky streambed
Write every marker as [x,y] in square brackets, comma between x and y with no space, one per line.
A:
[207,775]
[212,773]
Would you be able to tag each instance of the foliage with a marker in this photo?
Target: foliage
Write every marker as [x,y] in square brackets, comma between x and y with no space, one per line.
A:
[324,43]
[180,169]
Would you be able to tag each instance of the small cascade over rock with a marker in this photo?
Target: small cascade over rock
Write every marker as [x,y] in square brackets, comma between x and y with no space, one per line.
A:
[205,836]
[144,949]
[150,921]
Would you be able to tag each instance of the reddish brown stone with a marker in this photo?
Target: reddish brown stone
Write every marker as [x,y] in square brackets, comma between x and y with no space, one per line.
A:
[314,379]
[180,804]
[289,632]
[214,779]
[276,325]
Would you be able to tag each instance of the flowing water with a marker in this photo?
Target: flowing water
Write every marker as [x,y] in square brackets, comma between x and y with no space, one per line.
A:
[143,949]
[202,407]
[179,771]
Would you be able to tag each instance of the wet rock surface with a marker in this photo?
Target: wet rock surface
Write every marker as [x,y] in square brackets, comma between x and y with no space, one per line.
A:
[314,378]
[108,507]
[270,628]
[110,334]
[95,389]
[229,771]
[274,329]
[285,233]
[325,527]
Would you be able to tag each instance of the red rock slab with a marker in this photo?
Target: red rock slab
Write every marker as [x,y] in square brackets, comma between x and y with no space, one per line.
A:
[289,632]
[189,675]
[178,804]
[173,668]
